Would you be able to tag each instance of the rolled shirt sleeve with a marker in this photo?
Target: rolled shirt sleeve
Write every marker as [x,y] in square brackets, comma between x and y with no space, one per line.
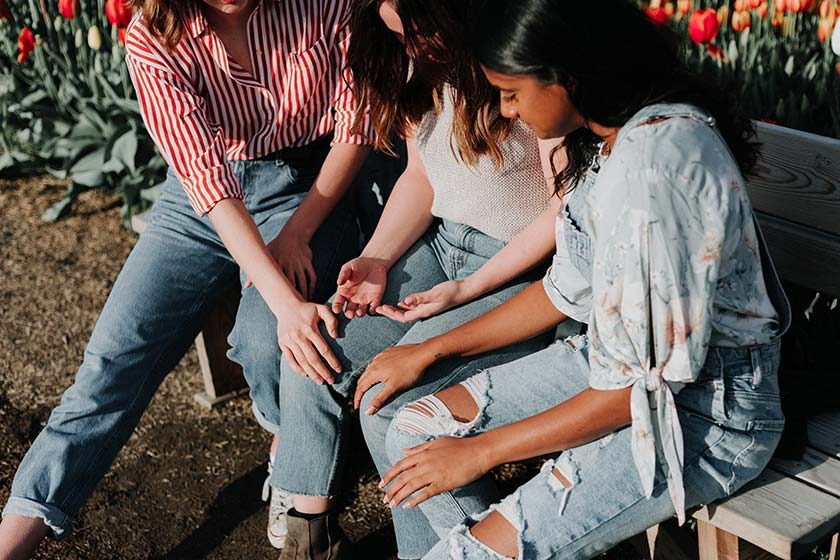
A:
[173,113]
[565,286]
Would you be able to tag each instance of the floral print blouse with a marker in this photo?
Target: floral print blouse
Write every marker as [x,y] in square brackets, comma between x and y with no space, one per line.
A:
[658,251]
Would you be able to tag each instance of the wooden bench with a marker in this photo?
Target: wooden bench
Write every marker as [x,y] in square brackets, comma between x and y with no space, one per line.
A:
[792,506]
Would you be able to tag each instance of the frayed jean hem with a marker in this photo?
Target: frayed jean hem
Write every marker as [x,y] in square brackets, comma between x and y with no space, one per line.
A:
[59,522]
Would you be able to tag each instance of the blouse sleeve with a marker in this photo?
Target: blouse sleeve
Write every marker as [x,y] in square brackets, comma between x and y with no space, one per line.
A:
[656,272]
[565,286]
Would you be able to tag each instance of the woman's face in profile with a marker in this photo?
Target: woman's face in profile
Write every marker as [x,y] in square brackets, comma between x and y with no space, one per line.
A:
[391,18]
[545,108]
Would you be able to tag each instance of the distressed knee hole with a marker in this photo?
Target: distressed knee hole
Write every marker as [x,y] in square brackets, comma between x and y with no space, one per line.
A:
[454,411]
[562,476]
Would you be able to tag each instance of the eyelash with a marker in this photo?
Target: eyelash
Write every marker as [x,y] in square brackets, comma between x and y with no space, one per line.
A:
[509,98]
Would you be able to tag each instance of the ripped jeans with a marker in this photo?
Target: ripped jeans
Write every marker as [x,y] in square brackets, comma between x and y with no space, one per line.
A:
[731,420]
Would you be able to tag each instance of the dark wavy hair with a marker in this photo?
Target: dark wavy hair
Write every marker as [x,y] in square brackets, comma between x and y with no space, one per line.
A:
[400,89]
[612,59]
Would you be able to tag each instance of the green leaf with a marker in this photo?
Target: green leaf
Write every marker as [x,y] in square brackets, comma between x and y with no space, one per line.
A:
[87,171]
[125,149]
[62,207]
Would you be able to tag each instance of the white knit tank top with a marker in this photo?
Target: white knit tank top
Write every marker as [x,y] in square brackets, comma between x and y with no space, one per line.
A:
[497,202]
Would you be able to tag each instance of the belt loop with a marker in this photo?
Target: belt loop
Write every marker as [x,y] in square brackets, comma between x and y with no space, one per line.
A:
[757,365]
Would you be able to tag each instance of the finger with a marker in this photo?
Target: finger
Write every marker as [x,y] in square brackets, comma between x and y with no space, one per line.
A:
[338,302]
[330,320]
[306,370]
[425,494]
[301,283]
[381,398]
[350,310]
[390,312]
[317,367]
[289,356]
[416,481]
[326,353]
[248,283]
[345,274]
[403,464]
[311,278]
[363,385]
[361,311]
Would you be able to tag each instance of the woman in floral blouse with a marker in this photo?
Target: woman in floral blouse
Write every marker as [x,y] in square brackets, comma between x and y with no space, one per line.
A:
[671,400]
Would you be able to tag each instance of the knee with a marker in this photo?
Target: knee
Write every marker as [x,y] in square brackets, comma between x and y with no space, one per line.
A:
[374,426]
[453,412]
[253,345]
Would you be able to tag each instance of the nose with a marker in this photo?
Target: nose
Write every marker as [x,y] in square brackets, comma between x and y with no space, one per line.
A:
[508,109]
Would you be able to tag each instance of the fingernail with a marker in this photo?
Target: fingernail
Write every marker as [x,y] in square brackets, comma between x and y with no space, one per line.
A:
[381,484]
[393,504]
[407,506]
[370,411]
[385,500]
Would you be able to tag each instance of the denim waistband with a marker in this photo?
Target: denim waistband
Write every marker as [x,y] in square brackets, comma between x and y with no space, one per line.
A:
[469,239]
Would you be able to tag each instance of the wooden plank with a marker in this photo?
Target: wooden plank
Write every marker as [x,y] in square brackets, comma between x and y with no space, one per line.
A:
[832,555]
[716,544]
[814,468]
[798,177]
[668,541]
[222,378]
[824,433]
[779,514]
[803,255]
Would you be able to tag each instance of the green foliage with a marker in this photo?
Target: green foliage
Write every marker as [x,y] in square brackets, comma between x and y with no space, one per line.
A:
[782,72]
[70,107]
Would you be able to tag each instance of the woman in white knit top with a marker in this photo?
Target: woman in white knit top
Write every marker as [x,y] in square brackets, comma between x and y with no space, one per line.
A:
[454,242]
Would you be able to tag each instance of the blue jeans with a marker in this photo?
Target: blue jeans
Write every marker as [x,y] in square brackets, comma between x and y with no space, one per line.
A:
[171,280]
[314,422]
[731,420]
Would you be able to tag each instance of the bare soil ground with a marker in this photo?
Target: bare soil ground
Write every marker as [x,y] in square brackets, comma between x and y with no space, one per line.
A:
[188,483]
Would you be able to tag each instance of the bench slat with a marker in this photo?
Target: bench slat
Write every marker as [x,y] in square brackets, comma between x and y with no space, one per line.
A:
[814,468]
[781,515]
[798,177]
[824,433]
[803,255]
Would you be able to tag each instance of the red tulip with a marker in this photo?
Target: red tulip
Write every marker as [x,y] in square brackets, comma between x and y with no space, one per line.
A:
[658,15]
[121,35]
[703,26]
[26,44]
[118,13]
[762,10]
[67,8]
[4,11]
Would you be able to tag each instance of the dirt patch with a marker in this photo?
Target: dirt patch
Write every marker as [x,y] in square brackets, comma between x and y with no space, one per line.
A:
[188,483]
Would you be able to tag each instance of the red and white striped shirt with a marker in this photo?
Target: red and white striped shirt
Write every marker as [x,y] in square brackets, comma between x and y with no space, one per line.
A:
[203,109]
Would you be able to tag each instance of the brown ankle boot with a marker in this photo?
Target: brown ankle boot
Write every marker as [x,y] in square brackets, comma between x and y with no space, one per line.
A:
[315,539]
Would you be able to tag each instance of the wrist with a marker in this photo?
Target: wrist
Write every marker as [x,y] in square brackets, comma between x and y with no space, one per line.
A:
[470,289]
[380,258]
[485,451]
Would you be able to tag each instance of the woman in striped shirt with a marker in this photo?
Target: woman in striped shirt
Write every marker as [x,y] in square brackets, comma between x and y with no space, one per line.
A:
[250,103]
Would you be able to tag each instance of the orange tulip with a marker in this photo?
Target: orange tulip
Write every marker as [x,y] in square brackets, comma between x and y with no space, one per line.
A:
[669,9]
[703,26]
[753,4]
[781,6]
[26,44]
[826,9]
[796,6]
[762,10]
[740,5]
[683,7]
[67,8]
[740,21]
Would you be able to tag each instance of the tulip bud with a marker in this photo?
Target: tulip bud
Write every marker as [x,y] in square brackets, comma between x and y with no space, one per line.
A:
[26,44]
[762,10]
[781,6]
[669,9]
[94,38]
[703,26]
[78,38]
[67,8]
[683,7]
[4,11]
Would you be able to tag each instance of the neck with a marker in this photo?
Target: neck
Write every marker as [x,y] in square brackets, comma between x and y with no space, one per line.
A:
[223,21]
[606,133]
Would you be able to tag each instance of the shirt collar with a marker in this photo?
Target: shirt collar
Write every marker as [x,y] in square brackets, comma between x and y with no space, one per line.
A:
[196,22]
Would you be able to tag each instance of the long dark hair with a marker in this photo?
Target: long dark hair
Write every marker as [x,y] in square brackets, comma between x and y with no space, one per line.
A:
[400,89]
[613,61]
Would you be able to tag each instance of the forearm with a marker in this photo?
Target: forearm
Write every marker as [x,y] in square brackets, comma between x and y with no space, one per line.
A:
[529,248]
[239,233]
[585,417]
[340,168]
[525,315]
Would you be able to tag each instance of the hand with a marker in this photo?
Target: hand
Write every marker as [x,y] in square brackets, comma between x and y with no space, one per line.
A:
[361,284]
[302,344]
[445,295]
[397,368]
[293,254]
[436,466]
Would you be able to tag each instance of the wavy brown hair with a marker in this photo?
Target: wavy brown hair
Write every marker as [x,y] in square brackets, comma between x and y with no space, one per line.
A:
[401,82]
[165,19]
